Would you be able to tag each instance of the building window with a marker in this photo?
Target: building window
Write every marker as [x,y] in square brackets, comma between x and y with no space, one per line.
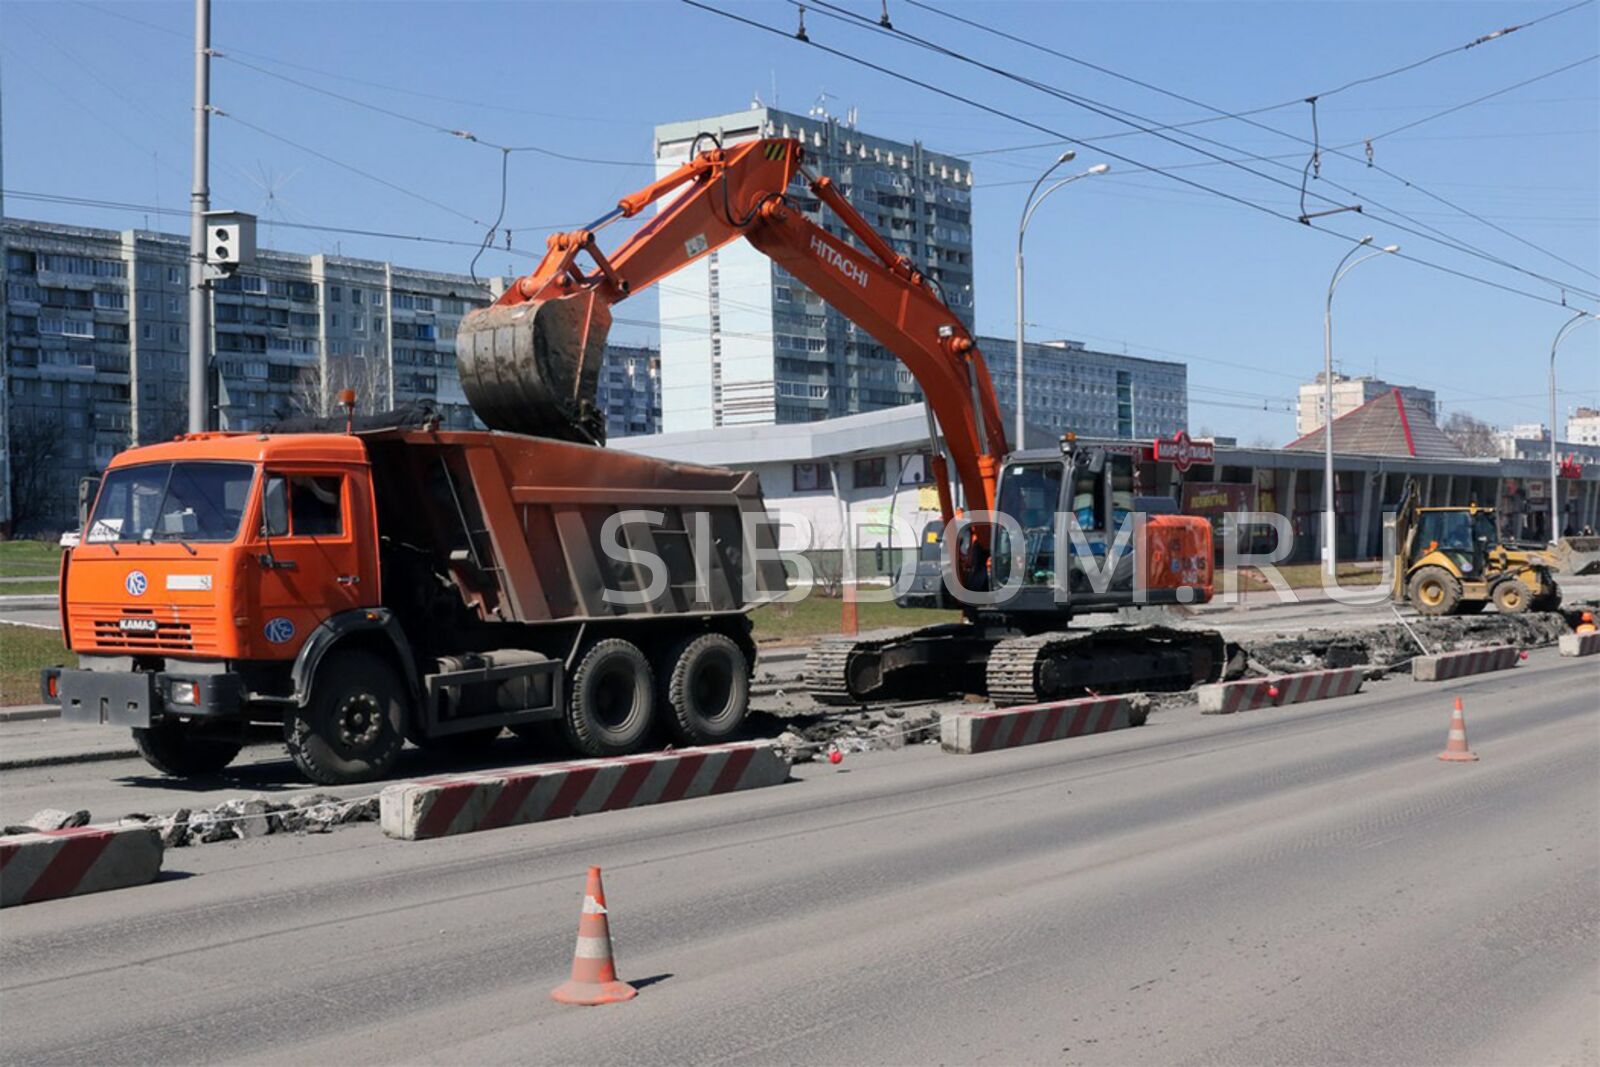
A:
[869,473]
[355,296]
[335,294]
[811,477]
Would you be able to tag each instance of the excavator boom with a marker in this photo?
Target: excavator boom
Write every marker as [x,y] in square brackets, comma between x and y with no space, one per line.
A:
[529,363]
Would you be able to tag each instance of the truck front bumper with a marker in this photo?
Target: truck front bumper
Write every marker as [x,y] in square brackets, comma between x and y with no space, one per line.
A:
[136,698]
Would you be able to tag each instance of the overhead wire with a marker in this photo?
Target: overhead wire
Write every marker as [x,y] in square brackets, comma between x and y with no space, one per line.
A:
[1223,114]
[1126,117]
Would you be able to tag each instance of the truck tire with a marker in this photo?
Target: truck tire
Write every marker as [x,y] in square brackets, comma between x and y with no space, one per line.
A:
[707,688]
[350,730]
[177,749]
[1512,597]
[611,702]
[1434,591]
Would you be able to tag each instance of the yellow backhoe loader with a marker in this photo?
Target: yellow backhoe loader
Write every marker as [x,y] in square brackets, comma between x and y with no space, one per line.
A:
[1451,561]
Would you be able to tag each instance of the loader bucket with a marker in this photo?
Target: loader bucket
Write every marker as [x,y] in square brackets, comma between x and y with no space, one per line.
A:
[534,368]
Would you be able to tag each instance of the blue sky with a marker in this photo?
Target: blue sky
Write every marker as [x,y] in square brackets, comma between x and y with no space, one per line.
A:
[96,106]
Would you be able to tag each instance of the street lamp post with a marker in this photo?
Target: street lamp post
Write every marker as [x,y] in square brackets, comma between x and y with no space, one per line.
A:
[1329,539]
[1027,213]
[1555,509]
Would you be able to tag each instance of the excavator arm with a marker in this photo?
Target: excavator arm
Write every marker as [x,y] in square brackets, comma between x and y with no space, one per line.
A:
[535,354]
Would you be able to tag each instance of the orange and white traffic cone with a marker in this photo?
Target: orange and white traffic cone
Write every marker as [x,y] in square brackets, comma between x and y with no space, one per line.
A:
[594,973]
[1455,749]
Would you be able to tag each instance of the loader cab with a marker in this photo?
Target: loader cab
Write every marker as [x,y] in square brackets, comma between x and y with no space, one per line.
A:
[1462,534]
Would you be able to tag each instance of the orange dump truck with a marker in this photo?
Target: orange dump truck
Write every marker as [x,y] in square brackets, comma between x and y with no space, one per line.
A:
[364,588]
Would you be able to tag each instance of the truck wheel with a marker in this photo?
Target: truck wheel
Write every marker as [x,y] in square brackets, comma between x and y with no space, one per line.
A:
[1434,591]
[176,749]
[708,688]
[612,700]
[350,730]
[1512,597]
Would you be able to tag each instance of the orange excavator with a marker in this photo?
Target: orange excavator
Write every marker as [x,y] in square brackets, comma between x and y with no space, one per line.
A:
[528,364]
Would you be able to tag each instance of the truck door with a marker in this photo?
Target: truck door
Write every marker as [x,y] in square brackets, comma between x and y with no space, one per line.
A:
[311,559]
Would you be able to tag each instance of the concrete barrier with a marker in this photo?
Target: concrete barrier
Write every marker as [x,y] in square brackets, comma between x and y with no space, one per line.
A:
[1248,694]
[1448,665]
[968,732]
[85,859]
[464,804]
[1579,644]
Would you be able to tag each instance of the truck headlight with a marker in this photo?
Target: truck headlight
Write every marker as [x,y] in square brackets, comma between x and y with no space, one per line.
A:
[184,693]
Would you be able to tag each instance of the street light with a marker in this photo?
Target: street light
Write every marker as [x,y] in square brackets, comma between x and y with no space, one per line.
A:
[1555,511]
[1027,213]
[1328,524]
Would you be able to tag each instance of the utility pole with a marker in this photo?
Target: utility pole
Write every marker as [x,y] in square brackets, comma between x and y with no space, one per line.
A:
[199,204]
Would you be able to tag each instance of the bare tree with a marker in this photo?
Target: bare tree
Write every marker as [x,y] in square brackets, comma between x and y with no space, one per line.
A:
[35,452]
[367,375]
[1473,436]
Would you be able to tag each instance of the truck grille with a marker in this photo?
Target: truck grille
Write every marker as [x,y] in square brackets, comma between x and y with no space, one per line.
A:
[194,630]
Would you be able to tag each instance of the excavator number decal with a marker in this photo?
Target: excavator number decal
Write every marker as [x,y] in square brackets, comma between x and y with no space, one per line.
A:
[695,245]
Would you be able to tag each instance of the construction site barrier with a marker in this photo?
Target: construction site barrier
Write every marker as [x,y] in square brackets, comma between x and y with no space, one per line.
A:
[968,732]
[84,859]
[1579,644]
[1275,690]
[464,804]
[1447,665]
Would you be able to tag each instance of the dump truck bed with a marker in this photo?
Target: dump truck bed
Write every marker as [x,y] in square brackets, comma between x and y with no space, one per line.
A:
[522,525]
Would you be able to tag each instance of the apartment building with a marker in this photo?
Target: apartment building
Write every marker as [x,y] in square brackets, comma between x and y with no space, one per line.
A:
[743,342]
[1350,393]
[1068,386]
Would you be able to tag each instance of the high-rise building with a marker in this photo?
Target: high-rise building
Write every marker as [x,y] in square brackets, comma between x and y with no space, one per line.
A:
[743,342]
[630,391]
[1070,387]
[1350,393]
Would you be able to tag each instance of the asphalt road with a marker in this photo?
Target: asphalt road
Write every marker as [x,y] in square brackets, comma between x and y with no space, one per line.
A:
[1305,884]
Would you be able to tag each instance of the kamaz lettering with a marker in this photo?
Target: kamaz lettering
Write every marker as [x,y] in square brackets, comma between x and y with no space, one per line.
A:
[832,256]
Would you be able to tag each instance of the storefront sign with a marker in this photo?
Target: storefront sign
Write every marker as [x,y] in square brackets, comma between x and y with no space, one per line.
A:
[1182,452]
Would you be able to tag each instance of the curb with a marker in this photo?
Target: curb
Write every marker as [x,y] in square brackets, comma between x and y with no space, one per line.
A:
[969,732]
[1579,644]
[65,863]
[30,712]
[1225,698]
[1448,665]
[464,804]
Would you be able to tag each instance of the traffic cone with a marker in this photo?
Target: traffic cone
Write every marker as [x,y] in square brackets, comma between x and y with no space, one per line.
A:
[1585,623]
[594,973]
[1455,749]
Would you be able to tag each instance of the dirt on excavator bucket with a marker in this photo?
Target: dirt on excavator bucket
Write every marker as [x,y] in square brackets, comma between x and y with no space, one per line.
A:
[534,368]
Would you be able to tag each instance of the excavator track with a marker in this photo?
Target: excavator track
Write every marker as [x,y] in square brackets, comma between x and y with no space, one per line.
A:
[920,664]
[1060,664]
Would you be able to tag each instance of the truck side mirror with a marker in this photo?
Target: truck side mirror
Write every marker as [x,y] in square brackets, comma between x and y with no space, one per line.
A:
[88,489]
[275,507]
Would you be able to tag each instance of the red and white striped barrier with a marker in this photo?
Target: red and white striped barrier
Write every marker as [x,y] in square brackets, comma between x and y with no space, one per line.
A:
[967,732]
[1275,690]
[464,804]
[1448,665]
[1579,644]
[85,859]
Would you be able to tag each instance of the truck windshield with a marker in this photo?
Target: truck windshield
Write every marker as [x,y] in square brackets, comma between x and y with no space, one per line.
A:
[171,502]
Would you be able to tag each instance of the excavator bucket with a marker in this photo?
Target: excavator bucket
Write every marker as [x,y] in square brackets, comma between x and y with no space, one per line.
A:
[534,368]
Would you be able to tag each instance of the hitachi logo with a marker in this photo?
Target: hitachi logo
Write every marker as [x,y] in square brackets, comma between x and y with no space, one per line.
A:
[831,255]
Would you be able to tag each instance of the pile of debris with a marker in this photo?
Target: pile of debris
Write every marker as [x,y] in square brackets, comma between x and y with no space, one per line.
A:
[232,820]
[1391,648]
[802,738]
